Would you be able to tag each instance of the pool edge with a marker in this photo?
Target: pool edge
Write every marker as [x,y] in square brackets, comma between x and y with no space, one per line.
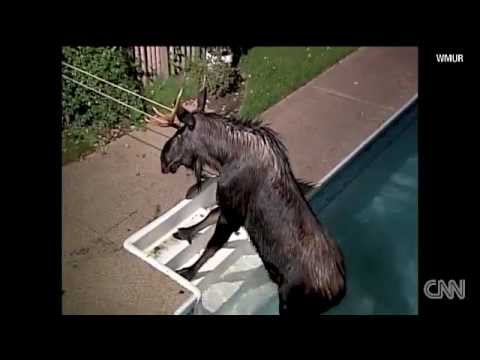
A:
[346,160]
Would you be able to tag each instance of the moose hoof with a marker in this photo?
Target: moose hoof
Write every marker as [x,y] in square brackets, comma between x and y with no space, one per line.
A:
[193,191]
[183,234]
[186,273]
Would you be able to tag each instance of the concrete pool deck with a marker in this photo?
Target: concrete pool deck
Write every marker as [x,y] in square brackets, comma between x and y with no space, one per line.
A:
[108,197]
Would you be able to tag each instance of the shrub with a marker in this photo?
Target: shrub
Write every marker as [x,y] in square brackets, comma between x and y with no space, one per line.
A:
[84,108]
[221,78]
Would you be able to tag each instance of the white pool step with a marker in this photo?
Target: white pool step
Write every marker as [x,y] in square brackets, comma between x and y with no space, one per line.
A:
[233,273]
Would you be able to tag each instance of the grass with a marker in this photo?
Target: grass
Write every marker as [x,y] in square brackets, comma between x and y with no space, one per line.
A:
[166,91]
[77,142]
[272,73]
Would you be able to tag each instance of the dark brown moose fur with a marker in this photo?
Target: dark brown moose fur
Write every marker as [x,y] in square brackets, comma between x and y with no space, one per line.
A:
[257,189]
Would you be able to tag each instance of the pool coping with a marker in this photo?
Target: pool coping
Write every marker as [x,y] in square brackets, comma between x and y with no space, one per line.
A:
[128,245]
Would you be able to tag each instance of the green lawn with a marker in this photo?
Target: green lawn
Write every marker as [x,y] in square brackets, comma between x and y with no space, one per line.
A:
[166,91]
[271,73]
[76,143]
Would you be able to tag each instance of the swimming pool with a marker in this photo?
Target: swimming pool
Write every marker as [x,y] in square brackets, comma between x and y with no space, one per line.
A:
[370,207]
[369,204]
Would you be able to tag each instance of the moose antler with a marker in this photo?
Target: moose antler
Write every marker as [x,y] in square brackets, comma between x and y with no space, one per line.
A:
[164,120]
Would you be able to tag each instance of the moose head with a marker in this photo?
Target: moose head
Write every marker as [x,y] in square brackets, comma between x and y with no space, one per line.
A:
[184,146]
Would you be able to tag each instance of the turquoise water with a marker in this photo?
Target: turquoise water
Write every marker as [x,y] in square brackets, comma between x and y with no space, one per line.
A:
[370,207]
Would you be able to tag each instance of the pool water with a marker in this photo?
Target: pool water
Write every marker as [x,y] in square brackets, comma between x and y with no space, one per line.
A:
[370,207]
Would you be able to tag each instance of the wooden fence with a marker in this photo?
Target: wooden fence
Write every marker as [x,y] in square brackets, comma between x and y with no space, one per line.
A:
[161,62]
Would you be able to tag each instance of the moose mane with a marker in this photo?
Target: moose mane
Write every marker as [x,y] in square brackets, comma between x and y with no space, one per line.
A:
[238,135]
[248,142]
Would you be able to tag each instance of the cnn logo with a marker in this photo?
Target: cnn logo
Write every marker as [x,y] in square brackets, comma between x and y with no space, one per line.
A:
[438,289]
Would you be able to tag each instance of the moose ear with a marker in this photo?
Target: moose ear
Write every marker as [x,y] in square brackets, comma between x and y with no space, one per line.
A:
[202,99]
[186,117]
[182,113]
[190,121]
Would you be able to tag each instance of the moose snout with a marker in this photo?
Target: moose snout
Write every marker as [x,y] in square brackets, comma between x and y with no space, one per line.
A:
[164,167]
[169,167]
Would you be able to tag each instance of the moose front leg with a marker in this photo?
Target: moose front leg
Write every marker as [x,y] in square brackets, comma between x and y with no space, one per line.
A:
[223,231]
[188,233]
[193,190]
[197,187]
[227,184]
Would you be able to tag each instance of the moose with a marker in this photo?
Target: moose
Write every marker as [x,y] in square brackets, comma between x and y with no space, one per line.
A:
[256,189]
[190,232]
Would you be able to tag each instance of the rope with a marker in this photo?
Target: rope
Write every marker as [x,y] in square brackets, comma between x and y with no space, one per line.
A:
[106,95]
[117,86]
